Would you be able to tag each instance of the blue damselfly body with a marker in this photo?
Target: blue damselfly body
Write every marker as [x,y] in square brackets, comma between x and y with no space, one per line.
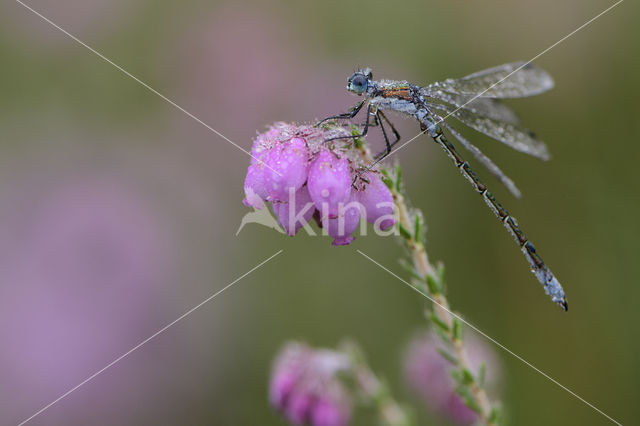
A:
[473,100]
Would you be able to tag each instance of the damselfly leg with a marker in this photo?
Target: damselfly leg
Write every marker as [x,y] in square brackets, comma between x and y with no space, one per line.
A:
[365,129]
[378,118]
[380,156]
[353,111]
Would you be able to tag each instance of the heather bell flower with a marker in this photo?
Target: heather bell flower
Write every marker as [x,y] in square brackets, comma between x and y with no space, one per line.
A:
[285,169]
[301,176]
[329,182]
[344,223]
[301,207]
[305,386]
[377,201]
[428,374]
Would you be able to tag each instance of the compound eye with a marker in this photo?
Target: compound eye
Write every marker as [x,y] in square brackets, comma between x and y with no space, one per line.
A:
[358,83]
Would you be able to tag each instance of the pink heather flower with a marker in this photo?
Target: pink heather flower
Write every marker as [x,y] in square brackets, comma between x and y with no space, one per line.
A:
[296,212]
[327,413]
[377,202]
[285,168]
[287,370]
[254,189]
[342,227]
[305,388]
[263,144]
[299,408]
[329,182]
[301,176]
[428,374]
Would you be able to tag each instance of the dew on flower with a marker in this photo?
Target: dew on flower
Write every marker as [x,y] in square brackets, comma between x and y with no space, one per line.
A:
[329,182]
[301,176]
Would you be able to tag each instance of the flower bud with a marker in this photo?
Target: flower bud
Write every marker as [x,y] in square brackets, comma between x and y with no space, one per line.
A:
[343,226]
[377,202]
[293,214]
[254,189]
[285,168]
[329,182]
[263,144]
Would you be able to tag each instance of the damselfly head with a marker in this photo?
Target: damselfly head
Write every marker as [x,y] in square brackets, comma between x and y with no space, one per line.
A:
[359,81]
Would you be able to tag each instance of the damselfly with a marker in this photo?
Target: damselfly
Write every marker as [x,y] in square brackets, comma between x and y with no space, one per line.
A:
[473,100]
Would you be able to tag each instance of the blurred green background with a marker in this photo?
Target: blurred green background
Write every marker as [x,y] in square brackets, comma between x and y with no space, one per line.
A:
[96,171]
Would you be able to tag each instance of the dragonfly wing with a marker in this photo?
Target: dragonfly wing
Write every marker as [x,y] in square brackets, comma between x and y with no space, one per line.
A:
[482,158]
[488,107]
[515,80]
[510,134]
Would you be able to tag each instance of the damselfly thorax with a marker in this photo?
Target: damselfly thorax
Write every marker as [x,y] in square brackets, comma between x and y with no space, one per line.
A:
[475,101]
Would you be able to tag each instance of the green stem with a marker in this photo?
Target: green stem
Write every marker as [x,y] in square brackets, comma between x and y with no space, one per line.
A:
[430,281]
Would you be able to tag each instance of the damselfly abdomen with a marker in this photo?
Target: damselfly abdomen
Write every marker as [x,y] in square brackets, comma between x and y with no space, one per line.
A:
[473,100]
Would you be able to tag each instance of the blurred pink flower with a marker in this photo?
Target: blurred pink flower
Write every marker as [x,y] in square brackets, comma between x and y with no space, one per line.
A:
[305,387]
[88,257]
[86,19]
[264,74]
[428,374]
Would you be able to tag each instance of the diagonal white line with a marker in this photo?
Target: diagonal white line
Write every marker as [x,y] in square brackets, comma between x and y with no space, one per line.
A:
[190,311]
[145,85]
[512,72]
[500,345]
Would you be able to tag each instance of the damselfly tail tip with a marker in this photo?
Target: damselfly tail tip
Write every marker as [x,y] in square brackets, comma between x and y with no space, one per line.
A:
[564,305]
[552,287]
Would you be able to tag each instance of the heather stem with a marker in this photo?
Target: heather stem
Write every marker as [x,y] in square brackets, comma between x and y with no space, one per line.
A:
[429,280]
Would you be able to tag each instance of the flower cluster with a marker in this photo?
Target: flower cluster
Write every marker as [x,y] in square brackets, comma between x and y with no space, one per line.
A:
[303,177]
[305,387]
[427,372]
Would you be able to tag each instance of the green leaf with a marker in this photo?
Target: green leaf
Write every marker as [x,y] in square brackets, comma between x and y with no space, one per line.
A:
[457,329]
[448,356]
[410,269]
[398,178]
[438,322]
[387,181]
[481,372]
[404,232]
[471,403]
[494,416]
[442,334]
[468,398]
[433,284]
[467,377]
[417,229]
